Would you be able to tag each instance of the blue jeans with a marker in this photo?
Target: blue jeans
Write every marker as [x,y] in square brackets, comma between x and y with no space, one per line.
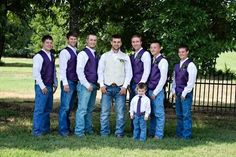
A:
[184,116]
[140,128]
[86,103]
[133,91]
[42,110]
[157,121]
[67,101]
[112,93]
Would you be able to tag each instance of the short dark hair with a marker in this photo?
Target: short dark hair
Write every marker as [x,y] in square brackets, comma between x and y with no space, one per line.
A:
[71,33]
[93,34]
[157,42]
[136,36]
[115,36]
[183,46]
[142,85]
[45,37]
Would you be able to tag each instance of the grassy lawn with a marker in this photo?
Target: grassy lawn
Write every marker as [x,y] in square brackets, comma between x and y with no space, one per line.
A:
[227,59]
[213,135]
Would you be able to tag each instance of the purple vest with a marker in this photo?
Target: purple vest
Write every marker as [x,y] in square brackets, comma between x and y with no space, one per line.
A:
[155,74]
[71,66]
[91,67]
[181,76]
[137,66]
[47,71]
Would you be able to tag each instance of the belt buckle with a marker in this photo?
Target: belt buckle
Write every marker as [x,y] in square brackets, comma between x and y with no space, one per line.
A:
[113,84]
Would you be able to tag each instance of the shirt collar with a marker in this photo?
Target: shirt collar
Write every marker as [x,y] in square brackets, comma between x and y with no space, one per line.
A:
[73,48]
[92,50]
[183,60]
[48,53]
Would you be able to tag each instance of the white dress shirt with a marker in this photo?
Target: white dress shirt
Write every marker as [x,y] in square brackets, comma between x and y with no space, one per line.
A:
[145,105]
[146,59]
[82,59]
[128,68]
[64,57]
[192,75]
[163,67]
[37,66]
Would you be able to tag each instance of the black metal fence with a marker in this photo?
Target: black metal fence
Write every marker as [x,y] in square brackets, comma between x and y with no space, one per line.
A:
[212,93]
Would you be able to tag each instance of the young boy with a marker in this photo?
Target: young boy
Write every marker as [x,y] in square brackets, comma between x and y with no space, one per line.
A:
[87,63]
[139,111]
[184,79]
[156,82]
[69,79]
[44,74]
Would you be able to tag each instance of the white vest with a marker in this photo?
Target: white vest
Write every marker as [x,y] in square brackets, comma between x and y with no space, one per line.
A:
[114,71]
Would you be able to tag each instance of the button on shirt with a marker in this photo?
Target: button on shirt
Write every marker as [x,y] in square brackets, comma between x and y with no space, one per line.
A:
[163,67]
[146,59]
[64,57]
[82,59]
[37,66]
[145,105]
[192,75]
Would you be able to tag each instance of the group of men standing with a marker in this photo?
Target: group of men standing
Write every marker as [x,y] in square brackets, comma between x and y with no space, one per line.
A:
[114,73]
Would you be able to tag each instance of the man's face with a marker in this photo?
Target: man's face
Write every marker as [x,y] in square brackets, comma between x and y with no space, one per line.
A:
[116,43]
[47,44]
[155,48]
[183,53]
[136,43]
[72,41]
[91,41]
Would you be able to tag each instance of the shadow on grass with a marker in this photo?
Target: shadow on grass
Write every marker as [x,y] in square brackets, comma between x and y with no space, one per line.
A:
[17,134]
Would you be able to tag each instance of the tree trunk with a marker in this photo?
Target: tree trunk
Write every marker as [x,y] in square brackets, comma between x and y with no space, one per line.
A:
[76,11]
[3,23]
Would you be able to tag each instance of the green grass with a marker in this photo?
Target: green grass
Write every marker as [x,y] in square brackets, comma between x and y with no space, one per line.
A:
[228,60]
[212,135]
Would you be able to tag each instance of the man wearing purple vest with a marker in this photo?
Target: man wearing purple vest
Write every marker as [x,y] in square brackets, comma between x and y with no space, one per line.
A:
[87,63]
[69,79]
[44,73]
[184,79]
[156,82]
[141,65]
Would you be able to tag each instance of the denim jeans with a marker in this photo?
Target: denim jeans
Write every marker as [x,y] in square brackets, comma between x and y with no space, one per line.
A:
[86,103]
[140,128]
[42,110]
[112,93]
[184,116]
[157,121]
[67,101]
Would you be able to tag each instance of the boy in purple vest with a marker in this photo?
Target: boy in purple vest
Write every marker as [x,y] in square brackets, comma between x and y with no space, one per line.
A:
[44,73]
[87,63]
[141,65]
[139,111]
[184,79]
[156,82]
[69,79]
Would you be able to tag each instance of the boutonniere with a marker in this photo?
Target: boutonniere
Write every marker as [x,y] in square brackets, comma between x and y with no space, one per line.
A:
[138,57]
[156,62]
[184,67]
[121,60]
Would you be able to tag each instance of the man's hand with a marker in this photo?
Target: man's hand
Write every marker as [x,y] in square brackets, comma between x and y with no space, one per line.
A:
[45,90]
[122,91]
[173,95]
[90,89]
[146,118]
[54,89]
[131,116]
[66,88]
[103,89]
[182,98]
[153,97]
